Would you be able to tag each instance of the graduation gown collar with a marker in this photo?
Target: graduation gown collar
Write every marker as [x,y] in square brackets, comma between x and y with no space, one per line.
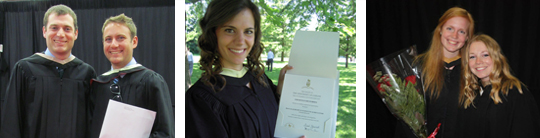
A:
[110,75]
[486,90]
[453,63]
[242,81]
[41,58]
[126,68]
[236,90]
[70,58]
[234,73]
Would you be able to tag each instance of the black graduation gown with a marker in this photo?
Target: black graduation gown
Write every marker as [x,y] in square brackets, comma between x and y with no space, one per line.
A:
[234,112]
[140,87]
[41,104]
[445,108]
[516,117]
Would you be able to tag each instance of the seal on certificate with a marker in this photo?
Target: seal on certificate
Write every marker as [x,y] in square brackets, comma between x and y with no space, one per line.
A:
[290,125]
[308,83]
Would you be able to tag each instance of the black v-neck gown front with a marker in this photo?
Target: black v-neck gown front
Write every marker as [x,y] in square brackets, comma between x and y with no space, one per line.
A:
[236,111]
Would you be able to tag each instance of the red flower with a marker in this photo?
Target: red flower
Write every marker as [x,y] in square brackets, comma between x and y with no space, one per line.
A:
[411,78]
[387,83]
[379,87]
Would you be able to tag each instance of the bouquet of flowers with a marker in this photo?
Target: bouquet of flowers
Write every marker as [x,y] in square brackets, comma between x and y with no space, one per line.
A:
[394,78]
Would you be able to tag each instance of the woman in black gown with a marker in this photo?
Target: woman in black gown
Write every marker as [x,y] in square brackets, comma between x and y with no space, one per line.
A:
[440,69]
[232,99]
[494,103]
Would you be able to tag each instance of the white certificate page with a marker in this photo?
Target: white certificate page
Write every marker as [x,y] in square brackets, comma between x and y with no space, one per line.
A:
[306,106]
[126,121]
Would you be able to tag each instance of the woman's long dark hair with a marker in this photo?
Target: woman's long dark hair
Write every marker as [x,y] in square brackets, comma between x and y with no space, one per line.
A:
[218,13]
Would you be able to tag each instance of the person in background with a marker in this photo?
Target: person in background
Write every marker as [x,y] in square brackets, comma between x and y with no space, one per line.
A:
[187,72]
[190,61]
[495,104]
[129,82]
[440,69]
[47,92]
[270,60]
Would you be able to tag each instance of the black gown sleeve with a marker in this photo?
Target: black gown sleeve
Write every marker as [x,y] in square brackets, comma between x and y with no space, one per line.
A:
[91,99]
[164,122]
[12,117]
[201,120]
[90,107]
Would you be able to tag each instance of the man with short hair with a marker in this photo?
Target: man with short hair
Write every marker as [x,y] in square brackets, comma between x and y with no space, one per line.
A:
[47,92]
[129,82]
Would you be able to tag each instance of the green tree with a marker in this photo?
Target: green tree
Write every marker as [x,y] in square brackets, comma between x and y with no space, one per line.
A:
[195,10]
[347,45]
[281,19]
[339,16]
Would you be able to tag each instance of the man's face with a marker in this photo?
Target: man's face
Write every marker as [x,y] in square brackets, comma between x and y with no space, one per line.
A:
[118,45]
[60,33]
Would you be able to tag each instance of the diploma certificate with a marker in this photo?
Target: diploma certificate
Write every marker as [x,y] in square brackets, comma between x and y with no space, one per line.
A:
[308,104]
[126,121]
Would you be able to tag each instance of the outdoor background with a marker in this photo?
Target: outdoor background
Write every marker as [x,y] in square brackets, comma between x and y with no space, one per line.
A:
[280,20]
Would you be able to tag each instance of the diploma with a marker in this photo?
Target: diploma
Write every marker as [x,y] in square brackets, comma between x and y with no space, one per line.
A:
[309,98]
[126,121]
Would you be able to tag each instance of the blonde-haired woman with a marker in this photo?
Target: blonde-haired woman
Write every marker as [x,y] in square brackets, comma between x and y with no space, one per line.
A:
[495,103]
[441,68]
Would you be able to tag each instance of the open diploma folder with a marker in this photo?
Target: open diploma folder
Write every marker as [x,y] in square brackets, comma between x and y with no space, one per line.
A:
[126,121]
[309,98]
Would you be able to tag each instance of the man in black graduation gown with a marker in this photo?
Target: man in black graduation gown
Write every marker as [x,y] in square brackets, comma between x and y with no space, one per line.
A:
[47,92]
[129,82]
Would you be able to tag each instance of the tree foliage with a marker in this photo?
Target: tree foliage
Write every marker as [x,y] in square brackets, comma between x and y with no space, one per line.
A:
[339,16]
[280,19]
[194,12]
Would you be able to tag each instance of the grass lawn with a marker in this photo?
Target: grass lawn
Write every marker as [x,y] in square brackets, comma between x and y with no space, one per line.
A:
[346,120]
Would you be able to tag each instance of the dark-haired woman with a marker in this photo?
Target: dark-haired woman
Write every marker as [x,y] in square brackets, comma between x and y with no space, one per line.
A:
[232,99]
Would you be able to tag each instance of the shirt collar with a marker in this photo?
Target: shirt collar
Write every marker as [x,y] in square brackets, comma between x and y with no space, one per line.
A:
[48,53]
[132,62]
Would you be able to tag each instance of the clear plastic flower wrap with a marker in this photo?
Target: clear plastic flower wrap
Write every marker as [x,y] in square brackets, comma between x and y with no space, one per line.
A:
[397,81]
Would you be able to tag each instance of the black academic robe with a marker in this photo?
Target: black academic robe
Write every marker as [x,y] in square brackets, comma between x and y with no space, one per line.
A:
[140,87]
[444,109]
[41,104]
[234,112]
[516,117]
